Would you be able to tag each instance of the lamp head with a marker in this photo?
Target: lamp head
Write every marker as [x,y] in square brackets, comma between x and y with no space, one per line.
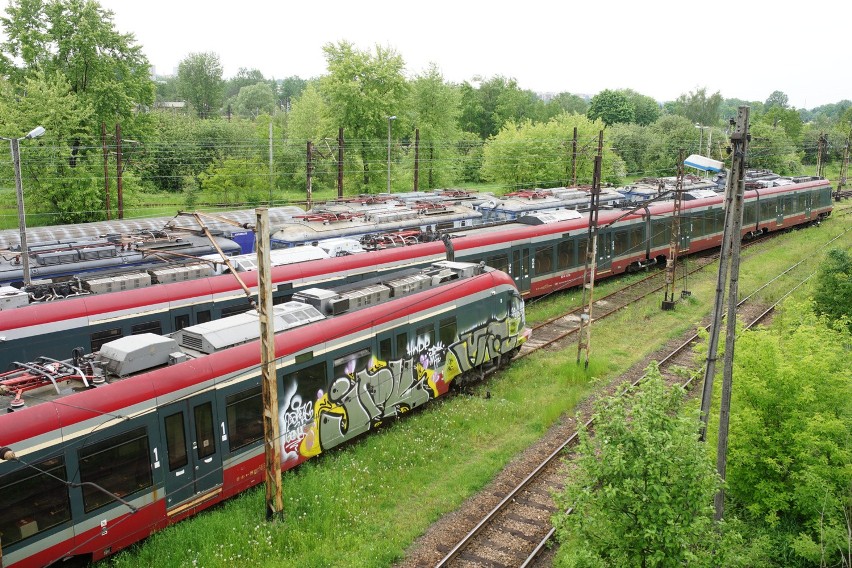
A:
[35,132]
[391,118]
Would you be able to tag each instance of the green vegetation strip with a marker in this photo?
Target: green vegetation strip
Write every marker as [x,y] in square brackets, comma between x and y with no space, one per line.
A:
[365,504]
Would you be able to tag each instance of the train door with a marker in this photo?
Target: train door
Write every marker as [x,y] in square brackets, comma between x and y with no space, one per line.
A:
[521,267]
[780,210]
[805,203]
[193,453]
[685,233]
[604,245]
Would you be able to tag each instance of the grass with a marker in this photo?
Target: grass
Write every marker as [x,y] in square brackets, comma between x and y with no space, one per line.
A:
[365,504]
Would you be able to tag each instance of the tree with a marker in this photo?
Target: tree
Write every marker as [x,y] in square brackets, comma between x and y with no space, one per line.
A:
[435,108]
[106,70]
[698,107]
[789,460]
[645,109]
[255,99]
[787,118]
[534,154]
[566,102]
[200,82]
[777,99]
[772,149]
[362,90]
[486,108]
[243,78]
[833,290]
[643,486]
[611,107]
[289,90]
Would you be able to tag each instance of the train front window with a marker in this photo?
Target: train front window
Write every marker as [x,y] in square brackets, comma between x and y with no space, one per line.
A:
[33,501]
[120,464]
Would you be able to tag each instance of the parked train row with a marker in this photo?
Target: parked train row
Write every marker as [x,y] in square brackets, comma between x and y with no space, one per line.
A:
[542,253]
[111,447]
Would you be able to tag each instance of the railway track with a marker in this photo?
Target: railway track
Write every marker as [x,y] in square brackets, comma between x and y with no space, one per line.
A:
[516,531]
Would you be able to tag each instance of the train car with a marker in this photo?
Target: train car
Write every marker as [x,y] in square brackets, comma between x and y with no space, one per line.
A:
[62,258]
[542,253]
[532,201]
[11,238]
[423,216]
[103,450]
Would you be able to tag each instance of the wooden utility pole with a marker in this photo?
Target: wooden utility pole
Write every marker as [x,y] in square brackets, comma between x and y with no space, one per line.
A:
[674,243]
[735,186]
[585,331]
[844,168]
[269,390]
[118,172]
[739,140]
[574,160]
[820,150]
[416,158]
[106,168]
[310,172]
[340,162]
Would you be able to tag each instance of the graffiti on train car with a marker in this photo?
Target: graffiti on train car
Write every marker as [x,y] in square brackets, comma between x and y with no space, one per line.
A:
[368,391]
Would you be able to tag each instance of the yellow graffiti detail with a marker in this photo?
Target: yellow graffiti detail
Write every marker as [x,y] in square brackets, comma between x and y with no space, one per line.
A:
[310,445]
[425,374]
[452,369]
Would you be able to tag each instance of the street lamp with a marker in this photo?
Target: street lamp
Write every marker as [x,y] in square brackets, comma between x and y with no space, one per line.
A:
[390,118]
[701,138]
[19,191]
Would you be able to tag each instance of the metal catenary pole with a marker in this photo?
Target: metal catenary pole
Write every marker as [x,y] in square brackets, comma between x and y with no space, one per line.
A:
[585,331]
[739,141]
[269,391]
[674,243]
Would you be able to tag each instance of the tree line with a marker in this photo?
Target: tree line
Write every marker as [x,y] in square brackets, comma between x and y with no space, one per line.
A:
[243,140]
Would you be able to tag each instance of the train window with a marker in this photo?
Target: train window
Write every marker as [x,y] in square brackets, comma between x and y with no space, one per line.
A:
[402,345]
[500,262]
[425,336]
[181,322]
[204,435]
[564,254]
[447,331]
[175,441]
[147,327]
[234,310]
[351,364]
[100,337]
[748,214]
[544,260]
[120,464]
[767,210]
[802,202]
[34,500]
[620,243]
[582,250]
[203,316]
[245,417]
[385,346]
[660,233]
[443,226]
[637,238]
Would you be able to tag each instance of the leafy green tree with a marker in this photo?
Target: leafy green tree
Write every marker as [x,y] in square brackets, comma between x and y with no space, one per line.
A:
[787,118]
[789,467]
[833,290]
[643,486]
[309,119]
[645,109]
[362,90]
[255,99]
[486,108]
[698,107]
[633,143]
[611,107]
[777,99]
[237,181]
[565,102]
[243,78]
[534,154]
[106,70]
[200,82]
[772,149]
[289,90]
[435,110]
[167,89]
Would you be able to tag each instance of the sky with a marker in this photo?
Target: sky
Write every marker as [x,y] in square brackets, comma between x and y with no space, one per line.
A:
[661,48]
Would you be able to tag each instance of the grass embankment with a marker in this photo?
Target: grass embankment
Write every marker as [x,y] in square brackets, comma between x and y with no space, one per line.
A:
[365,504]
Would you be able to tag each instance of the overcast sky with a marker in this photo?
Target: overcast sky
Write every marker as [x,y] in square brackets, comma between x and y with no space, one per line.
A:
[744,49]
